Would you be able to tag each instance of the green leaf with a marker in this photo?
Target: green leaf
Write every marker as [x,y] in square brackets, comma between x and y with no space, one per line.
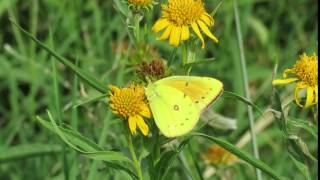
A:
[307,126]
[91,100]
[82,144]
[242,99]
[27,151]
[121,8]
[276,105]
[166,161]
[117,166]
[302,167]
[79,140]
[94,83]
[204,61]
[241,154]
[299,149]
[216,9]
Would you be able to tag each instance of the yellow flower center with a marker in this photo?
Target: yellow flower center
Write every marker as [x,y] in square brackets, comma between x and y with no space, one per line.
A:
[127,101]
[306,69]
[183,12]
[140,2]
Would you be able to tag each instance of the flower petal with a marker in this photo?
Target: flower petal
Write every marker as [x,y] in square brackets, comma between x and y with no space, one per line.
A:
[209,16]
[145,111]
[299,87]
[206,30]
[133,124]
[206,19]
[142,125]
[287,72]
[185,34]
[165,35]
[114,89]
[311,96]
[160,24]
[197,31]
[175,36]
[284,81]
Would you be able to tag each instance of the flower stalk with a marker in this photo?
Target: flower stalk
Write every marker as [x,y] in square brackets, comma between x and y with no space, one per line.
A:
[136,163]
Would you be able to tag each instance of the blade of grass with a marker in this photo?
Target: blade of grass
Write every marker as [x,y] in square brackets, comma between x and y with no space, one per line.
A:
[57,102]
[246,85]
[24,151]
[82,144]
[73,161]
[241,154]
[16,33]
[88,101]
[102,140]
[243,99]
[216,9]
[82,74]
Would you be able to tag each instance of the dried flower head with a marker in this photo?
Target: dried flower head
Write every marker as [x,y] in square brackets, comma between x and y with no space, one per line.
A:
[154,69]
[178,16]
[305,74]
[130,103]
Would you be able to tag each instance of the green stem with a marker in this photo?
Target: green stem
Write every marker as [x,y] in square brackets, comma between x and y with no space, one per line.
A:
[246,85]
[184,54]
[315,114]
[137,28]
[133,155]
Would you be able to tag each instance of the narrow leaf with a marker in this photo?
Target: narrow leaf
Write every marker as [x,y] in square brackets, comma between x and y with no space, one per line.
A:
[91,100]
[241,154]
[242,99]
[82,74]
[84,146]
[302,168]
[27,151]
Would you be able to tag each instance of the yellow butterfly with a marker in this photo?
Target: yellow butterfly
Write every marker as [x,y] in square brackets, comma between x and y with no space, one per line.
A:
[176,102]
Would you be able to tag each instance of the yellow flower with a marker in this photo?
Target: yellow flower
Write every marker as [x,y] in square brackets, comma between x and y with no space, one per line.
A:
[178,16]
[217,155]
[130,103]
[140,2]
[305,74]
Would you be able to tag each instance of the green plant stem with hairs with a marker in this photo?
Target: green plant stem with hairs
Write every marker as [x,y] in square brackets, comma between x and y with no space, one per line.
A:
[133,154]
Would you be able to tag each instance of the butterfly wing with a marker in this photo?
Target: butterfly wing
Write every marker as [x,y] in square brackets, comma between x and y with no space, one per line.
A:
[202,90]
[174,113]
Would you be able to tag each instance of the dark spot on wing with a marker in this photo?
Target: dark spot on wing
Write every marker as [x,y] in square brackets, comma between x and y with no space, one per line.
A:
[187,83]
[184,95]
[176,107]
[187,119]
[197,102]
[182,124]
[202,97]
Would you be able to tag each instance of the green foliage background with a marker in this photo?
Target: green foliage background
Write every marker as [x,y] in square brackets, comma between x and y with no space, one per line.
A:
[93,33]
